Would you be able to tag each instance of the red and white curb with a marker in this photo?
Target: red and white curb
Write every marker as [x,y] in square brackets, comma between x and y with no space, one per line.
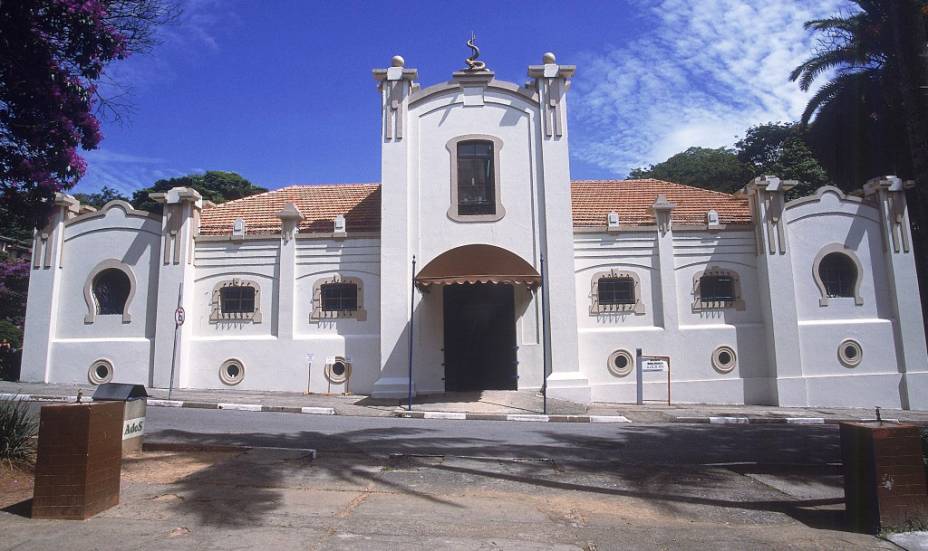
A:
[157,402]
[518,417]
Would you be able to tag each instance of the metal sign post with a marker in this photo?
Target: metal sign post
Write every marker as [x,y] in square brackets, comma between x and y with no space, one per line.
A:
[544,347]
[412,311]
[180,316]
[650,364]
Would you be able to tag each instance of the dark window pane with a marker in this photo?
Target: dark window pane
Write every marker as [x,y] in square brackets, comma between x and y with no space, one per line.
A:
[616,290]
[111,290]
[839,275]
[717,288]
[237,299]
[476,185]
[339,297]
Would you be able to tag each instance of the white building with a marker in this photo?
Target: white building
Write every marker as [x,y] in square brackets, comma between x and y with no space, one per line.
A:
[311,288]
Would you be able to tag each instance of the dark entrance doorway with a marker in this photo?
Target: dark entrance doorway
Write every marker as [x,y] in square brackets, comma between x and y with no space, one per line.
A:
[480,337]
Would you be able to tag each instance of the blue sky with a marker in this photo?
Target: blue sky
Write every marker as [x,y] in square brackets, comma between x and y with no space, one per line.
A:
[281,91]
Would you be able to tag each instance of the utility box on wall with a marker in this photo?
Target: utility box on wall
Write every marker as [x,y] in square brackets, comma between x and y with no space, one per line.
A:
[79,460]
[884,476]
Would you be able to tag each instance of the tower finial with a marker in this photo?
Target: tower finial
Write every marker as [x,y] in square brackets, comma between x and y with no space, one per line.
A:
[472,63]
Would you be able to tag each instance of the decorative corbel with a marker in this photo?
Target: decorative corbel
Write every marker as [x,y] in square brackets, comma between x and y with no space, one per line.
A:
[290,218]
[662,213]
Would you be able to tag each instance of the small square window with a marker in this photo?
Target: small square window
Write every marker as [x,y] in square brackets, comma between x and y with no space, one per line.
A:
[237,299]
[339,297]
[616,290]
[717,288]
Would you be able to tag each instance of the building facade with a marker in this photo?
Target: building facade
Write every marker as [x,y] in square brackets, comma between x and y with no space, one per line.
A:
[476,263]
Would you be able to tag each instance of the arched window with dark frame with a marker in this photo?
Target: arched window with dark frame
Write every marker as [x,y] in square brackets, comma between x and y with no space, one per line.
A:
[339,297]
[476,177]
[838,273]
[616,291]
[111,291]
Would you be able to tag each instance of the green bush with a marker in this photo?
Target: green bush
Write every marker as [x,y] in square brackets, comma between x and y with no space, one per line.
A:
[17,432]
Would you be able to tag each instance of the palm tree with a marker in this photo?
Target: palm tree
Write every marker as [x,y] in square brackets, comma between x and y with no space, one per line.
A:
[872,107]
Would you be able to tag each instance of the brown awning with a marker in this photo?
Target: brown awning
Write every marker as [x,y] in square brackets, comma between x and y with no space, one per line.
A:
[477,264]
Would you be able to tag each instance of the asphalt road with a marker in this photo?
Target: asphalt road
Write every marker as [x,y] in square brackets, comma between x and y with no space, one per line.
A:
[671,444]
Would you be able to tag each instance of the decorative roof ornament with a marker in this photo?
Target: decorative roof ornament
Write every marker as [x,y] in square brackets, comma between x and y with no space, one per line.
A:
[472,63]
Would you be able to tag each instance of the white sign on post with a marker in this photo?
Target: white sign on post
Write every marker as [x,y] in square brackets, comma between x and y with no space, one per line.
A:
[654,365]
[180,315]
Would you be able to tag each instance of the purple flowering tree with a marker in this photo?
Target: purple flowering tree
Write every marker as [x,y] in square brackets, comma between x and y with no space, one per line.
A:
[52,56]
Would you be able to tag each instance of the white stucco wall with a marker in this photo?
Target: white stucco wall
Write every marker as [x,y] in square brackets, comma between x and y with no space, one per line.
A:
[828,219]
[273,360]
[132,240]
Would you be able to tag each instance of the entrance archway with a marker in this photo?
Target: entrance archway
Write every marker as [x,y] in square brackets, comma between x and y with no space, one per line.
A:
[477,285]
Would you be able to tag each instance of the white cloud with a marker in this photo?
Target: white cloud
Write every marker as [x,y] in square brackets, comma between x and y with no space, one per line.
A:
[123,172]
[704,73]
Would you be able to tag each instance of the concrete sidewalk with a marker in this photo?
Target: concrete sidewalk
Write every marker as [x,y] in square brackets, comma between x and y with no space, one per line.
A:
[485,405]
[285,499]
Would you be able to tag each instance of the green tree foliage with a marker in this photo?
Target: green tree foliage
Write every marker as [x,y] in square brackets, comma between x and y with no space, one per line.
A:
[779,149]
[100,198]
[717,169]
[214,185]
[53,53]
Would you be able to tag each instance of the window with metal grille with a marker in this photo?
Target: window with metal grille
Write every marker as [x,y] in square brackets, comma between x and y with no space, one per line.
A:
[339,297]
[111,291]
[838,274]
[476,185]
[616,290]
[717,288]
[237,299]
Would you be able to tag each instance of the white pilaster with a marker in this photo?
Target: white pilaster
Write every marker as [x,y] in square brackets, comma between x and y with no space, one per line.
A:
[44,283]
[663,209]
[778,290]
[566,380]
[290,218]
[396,246]
[179,226]
[899,257]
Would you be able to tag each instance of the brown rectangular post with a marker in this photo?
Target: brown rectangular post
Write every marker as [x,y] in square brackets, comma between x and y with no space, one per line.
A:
[884,476]
[79,460]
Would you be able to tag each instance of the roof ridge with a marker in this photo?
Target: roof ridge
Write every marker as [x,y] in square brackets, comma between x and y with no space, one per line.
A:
[657,180]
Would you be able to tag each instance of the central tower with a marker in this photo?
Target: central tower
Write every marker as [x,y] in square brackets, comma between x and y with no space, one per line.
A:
[476,185]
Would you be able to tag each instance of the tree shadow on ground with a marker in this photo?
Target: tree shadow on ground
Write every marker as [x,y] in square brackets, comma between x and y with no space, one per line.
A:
[675,467]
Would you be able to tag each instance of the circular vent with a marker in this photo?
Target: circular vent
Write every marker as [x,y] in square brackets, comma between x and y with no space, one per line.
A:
[620,363]
[850,353]
[101,371]
[232,372]
[724,359]
[338,370]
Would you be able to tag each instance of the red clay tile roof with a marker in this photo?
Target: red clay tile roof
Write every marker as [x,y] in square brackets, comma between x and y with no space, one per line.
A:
[319,204]
[632,199]
[360,204]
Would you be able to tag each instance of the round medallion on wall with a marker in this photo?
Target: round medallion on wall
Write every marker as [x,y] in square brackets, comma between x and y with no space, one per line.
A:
[620,363]
[232,372]
[338,370]
[101,371]
[724,359]
[850,353]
